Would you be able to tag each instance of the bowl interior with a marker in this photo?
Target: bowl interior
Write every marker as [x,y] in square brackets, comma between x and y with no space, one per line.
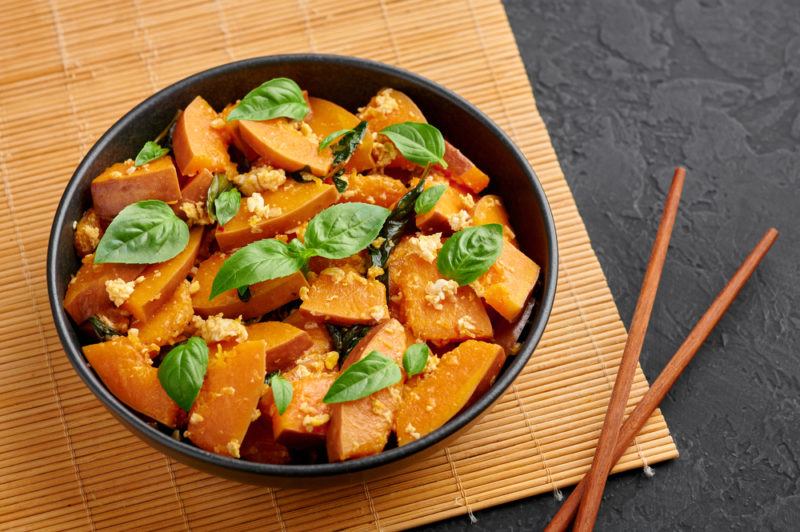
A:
[349,82]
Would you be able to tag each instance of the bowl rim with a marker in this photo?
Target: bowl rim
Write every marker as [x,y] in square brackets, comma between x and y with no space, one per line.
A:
[162,440]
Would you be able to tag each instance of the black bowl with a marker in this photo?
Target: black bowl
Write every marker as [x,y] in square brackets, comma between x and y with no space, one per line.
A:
[349,82]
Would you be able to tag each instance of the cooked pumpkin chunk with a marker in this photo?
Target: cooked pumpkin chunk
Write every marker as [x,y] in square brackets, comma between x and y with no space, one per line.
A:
[259,444]
[305,421]
[88,232]
[234,136]
[346,298]
[161,279]
[283,145]
[285,343]
[284,209]
[451,213]
[489,210]
[264,296]
[192,205]
[228,400]
[321,340]
[389,107]
[432,401]
[125,367]
[165,326]
[356,263]
[361,427]
[508,283]
[122,184]
[377,189]
[327,117]
[86,293]
[199,140]
[462,170]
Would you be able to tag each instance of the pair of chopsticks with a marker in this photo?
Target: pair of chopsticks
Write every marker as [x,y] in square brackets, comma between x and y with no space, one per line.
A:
[615,436]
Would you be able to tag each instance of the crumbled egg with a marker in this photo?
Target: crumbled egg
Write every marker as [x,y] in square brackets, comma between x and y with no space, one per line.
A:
[310,422]
[260,179]
[412,431]
[119,290]
[460,220]
[216,328]
[233,448]
[195,212]
[331,359]
[439,290]
[428,245]
[466,326]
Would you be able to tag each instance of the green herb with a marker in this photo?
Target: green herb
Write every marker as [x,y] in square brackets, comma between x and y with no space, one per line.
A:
[167,132]
[343,150]
[244,293]
[344,229]
[226,205]
[470,253]
[427,200]
[324,143]
[145,232]
[419,143]
[279,97]
[415,358]
[341,184]
[372,373]
[219,184]
[345,338]
[149,152]
[281,392]
[102,328]
[182,371]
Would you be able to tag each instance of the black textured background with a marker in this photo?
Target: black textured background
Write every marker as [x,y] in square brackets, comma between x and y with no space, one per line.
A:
[628,89]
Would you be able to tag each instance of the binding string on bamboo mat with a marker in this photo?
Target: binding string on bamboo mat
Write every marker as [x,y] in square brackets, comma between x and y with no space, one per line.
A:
[70,69]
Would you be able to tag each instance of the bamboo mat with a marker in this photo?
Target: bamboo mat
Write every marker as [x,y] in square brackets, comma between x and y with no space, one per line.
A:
[69,70]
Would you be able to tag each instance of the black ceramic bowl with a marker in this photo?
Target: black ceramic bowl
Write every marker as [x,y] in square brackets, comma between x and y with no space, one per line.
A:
[349,82]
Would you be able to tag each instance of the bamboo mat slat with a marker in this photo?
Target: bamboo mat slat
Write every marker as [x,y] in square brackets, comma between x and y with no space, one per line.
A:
[69,70]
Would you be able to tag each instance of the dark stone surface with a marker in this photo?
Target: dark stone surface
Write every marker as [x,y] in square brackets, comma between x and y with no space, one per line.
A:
[628,89]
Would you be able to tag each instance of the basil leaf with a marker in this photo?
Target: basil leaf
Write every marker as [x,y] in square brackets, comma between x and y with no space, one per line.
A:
[427,200]
[341,184]
[344,229]
[394,228]
[145,232]
[279,97]
[149,152]
[372,373]
[226,205]
[348,144]
[103,329]
[470,253]
[281,392]
[182,371]
[324,143]
[419,143]
[345,338]
[415,358]
[219,184]
[260,261]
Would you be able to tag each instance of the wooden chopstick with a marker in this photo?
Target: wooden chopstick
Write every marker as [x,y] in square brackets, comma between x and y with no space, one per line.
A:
[658,390]
[596,478]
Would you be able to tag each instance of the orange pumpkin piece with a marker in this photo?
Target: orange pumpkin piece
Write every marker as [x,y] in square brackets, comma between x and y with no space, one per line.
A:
[508,283]
[327,117]
[160,280]
[376,189]
[125,367]
[264,296]
[199,140]
[234,136]
[86,293]
[283,145]
[228,400]
[450,205]
[320,339]
[361,428]
[297,203]
[462,170]
[434,400]
[305,421]
[389,107]
[166,325]
[195,191]
[285,343]
[122,184]
[356,263]
[88,233]
[489,210]
[346,298]
[259,444]
[458,316]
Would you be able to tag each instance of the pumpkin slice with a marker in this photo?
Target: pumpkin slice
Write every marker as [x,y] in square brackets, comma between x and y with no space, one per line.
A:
[389,107]
[508,283]
[264,296]
[285,343]
[489,210]
[305,421]
[327,117]
[88,233]
[376,189]
[234,136]
[432,401]
[362,427]
[462,170]
[166,325]
[320,339]
[259,444]
[125,367]
[292,204]
[283,145]
[122,184]
[160,280]
[86,293]
[199,140]
[447,212]
[346,298]
[228,400]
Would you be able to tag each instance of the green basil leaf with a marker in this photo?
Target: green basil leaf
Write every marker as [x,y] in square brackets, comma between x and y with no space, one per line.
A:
[394,228]
[102,328]
[281,392]
[145,232]
[427,200]
[149,152]
[182,371]
[260,261]
[348,144]
[279,97]
[372,373]
[415,358]
[470,253]
[219,184]
[226,205]
[344,229]
[419,143]
[341,184]
[324,143]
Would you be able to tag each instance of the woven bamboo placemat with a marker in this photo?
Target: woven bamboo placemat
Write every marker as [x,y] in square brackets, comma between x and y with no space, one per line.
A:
[71,68]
